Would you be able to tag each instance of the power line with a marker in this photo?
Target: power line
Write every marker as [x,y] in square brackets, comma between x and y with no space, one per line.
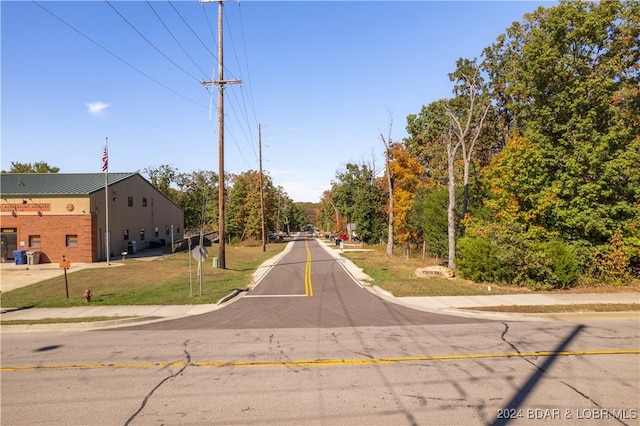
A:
[119,58]
[192,31]
[175,39]
[246,60]
[249,138]
[150,43]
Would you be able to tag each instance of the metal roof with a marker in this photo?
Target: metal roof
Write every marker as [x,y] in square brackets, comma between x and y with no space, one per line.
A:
[24,184]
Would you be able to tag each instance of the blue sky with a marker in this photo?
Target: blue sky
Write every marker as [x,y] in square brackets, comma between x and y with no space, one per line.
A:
[324,79]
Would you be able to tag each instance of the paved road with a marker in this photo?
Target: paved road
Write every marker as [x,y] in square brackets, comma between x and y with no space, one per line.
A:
[307,288]
[308,346]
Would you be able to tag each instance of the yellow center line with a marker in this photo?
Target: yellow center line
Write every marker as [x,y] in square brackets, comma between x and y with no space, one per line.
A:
[323,362]
[308,289]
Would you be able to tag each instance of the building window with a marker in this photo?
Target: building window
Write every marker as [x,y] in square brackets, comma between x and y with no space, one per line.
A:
[126,234]
[155,232]
[177,229]
[144,201]
[141,234]
[130,202]
[167,230]
[34,241]
[72,240]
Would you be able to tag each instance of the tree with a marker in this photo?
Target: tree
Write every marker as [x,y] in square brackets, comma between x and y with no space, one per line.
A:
[466,113]
[425,142]
[567,78]
[429,217]
[387,150]
[162,177]
[198,198]
[38,167]
[244,211]
[408,178]
[359,198]
[329,215]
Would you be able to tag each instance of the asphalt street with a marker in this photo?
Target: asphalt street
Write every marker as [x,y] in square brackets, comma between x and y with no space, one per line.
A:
[310,345]
[308,288]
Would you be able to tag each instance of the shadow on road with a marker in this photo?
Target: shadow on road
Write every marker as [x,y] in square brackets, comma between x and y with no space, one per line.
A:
[518,399]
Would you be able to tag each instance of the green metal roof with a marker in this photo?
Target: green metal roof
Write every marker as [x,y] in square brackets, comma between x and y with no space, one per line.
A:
[24,184]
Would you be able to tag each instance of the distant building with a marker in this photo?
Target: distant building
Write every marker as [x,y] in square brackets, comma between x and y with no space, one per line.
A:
[60,214]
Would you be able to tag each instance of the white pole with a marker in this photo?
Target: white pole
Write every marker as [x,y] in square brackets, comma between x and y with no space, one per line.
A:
[190,273]
[105,169]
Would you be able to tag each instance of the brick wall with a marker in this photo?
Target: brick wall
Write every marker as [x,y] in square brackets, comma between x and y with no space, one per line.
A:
[53,231]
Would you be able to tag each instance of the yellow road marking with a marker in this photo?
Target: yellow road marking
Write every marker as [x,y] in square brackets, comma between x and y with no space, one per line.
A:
[323,362]
[308,289]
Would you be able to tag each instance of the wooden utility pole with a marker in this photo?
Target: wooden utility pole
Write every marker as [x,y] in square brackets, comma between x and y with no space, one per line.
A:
[220,83]
[264,237]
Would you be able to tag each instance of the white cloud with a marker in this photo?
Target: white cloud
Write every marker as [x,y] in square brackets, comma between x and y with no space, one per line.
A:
[97,108]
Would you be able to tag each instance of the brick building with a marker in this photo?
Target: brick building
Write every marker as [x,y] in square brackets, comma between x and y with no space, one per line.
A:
[60,214]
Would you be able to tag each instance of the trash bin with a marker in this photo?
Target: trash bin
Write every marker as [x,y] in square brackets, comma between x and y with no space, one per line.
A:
[33,257]
[215,262]
[19,257]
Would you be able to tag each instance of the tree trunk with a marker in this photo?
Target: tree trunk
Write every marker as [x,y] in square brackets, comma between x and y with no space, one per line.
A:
[387,145]
[451,213]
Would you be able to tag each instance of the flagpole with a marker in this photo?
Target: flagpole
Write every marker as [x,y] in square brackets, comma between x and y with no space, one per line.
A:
[105,169]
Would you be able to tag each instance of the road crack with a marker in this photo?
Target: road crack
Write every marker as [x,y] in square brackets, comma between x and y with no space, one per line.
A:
[544,371]
[156,387]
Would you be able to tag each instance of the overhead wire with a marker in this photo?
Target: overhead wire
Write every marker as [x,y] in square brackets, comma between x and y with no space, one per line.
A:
[139,71]
[176,40]
[240,111]
[246,128]
[192,31]
[150,43]
[251,141]
[246,60]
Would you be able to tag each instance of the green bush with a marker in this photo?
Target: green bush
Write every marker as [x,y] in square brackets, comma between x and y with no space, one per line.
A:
[493,253]
[479,260]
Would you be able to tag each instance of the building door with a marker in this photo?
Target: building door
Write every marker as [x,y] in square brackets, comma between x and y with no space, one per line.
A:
[8,243]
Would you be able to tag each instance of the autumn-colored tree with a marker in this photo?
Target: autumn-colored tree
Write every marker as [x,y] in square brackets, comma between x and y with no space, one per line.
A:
[408,174]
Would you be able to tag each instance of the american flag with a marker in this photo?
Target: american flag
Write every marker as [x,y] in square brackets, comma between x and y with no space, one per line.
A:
[105,160]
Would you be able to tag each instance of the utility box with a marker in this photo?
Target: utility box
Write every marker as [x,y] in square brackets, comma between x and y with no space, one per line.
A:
[33,257]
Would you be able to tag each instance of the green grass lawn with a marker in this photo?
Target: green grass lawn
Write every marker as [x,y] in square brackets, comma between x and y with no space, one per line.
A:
[397,275]
[164,281]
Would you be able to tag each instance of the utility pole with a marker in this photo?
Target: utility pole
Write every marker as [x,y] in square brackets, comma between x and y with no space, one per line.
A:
[220,83]
[264,244]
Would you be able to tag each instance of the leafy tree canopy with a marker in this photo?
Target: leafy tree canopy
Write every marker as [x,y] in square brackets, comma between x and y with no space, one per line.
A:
[38,167]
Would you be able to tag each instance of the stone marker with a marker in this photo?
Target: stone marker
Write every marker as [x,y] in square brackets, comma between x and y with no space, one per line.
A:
[435,271]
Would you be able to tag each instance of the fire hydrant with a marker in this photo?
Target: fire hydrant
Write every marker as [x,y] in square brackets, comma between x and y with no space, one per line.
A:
[87,295]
